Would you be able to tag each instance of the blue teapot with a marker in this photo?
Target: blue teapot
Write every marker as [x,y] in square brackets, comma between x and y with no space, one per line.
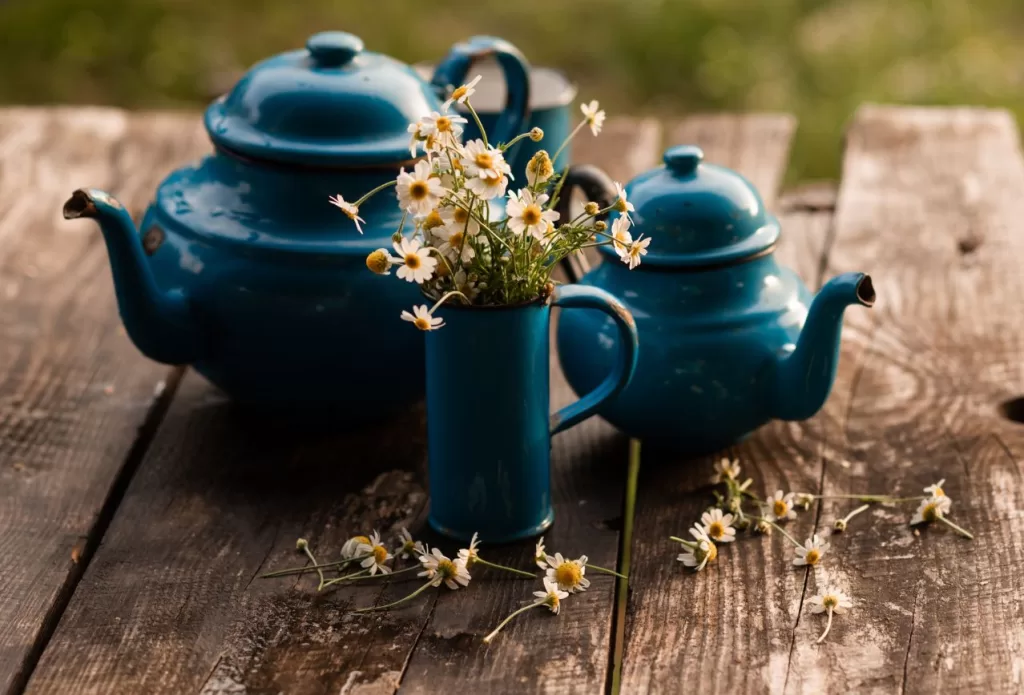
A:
[729,339]
[242,269]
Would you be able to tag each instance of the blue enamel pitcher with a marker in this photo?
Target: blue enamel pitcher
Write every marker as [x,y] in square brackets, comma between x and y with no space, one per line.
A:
[242,269]
[729,339]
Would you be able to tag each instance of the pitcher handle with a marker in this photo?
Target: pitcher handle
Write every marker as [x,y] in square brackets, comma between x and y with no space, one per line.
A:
[597,186]
[586,297]
[451,72]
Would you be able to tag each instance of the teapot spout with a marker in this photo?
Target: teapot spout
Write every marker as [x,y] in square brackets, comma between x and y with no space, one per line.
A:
[801,382]
[159,323]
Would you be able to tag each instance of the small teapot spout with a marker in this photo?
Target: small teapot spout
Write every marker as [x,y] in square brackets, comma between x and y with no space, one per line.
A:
[159,323]
[801,382]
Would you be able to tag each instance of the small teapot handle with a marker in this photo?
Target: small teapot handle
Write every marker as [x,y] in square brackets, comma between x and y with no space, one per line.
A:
[452,71]
[597,186]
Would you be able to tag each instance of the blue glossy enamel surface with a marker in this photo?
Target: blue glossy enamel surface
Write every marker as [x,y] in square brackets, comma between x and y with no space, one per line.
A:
[488,422]
[723,349]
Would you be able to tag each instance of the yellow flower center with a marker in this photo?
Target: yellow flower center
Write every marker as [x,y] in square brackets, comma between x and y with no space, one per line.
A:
[461,215]
[378,261]
[716,530]
[380,554]
[459,93]
[780,508]
[443,124]
[419,190]
[432,220]
[532,215]
[421,323]
[412,261]
[362,539]
[620,205]
[447,569]
[484,160]
[553,601]
[812,556]
[931,512]
[491,180]
[455,240]
[711,553]
[634,250]
[830,601]
[568,574]
[939,492]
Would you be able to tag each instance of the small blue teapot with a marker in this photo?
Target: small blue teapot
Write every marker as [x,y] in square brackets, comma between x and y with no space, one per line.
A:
[243,269]
[728,338]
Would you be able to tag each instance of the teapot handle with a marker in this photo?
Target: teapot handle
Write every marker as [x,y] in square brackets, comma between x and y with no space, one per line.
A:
[597,186]
[452,72]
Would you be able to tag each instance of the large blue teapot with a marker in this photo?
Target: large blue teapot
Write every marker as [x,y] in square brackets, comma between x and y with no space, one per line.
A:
[243,269]
[729,339]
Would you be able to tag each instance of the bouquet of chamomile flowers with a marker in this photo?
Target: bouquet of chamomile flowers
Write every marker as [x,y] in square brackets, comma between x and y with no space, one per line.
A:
[467,235]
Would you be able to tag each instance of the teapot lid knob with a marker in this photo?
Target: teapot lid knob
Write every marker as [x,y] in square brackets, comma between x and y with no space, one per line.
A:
[683,159]
[331,49]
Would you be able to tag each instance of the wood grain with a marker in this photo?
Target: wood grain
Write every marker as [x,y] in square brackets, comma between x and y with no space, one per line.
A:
[74,392]
[171,604]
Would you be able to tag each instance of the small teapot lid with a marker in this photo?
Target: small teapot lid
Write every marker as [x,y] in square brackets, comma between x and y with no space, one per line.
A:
[330,104]
[698,214]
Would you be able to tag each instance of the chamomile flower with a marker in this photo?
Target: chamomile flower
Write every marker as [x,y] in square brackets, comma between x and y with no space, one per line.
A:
[351,211]
[350,550]
[462,93]
[376,554]
[780,506]
[804,500]
[458,219]
[931,509]
[718,526]
[594,116]
[439,569]
[470,555]
[698,552]
[935,489]
[409,547]
[552,595]
[422,318]
[568,574]
[632,254]
[526,213]
[725,469]
[831,601]
[621,203]
[479,160]
[811,552]
[465,284]
[419,192]
[487,187]
[621,238]
[417,264]
[539,556]
[380,262]
[539,169]
[442,129]
[455,244]
[415,138]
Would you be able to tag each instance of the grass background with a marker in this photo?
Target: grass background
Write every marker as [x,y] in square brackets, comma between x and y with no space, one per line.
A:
[816,58]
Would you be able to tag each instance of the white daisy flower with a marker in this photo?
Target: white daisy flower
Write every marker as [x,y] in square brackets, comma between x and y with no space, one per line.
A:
[415,138]
[811,552]
[417,264]
[457,219]
[726,469]
[422,318]
[831,601]
[552,595]
[409,547]
[804,500]
[350,550]
[594,116]
[470,555]
[632,254]
[539,556]
[780,506]
[479,160]
[699,552]
[351,211]
[718,526]
[442,129]
[455,244]
[380,261]
[935,489]
[461,94]
[376,555]
[621,238]
[568,574]
[465,284]
[931,509]
[487,187]
[621,203]
[526,213]
[419,192]
[442,570]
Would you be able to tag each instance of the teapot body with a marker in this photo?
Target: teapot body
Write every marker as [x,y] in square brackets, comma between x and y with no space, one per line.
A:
[277,285]
[709,341]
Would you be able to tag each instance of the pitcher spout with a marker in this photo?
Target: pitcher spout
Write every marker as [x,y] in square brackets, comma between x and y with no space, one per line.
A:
[801,382]
[159,323]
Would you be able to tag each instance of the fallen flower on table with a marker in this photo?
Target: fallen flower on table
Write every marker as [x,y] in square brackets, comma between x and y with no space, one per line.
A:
[699,552]
[811,552]
[830,601]
[551,597]
[841,524]
[471,556]
[439,569]
[935,509]
[568,574]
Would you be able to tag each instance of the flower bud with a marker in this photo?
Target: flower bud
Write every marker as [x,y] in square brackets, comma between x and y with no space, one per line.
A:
[620,205]
[600,225]
[379,262]
[536,134]
[592,208]
[763,527]
[433,220]
[396,237]
[840,525]
[301,544]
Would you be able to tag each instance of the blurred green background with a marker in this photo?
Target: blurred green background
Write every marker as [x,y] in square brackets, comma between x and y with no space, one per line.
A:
[815,58]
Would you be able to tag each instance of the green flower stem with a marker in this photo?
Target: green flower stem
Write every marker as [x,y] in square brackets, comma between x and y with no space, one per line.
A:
[859,498]
[513,141]
[828,626]
[445,297]
[779,529]
[395,603]
[361,574]
[481,561]
[855,512]
[576,130]
[476,119]
[962,531]
[606,571]
[308,568]
[503,623]
[688,544]
[309,554]
[375,191]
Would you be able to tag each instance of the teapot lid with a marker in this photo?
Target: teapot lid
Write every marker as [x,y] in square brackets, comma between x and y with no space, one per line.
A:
[698,215]
[330,104]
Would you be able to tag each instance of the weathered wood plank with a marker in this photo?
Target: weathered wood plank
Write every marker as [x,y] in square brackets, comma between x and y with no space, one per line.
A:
[729,628]
[930,203]
[74,393]
[170,603]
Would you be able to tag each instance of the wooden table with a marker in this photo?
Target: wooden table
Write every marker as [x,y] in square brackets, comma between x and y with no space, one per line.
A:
[137,507]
